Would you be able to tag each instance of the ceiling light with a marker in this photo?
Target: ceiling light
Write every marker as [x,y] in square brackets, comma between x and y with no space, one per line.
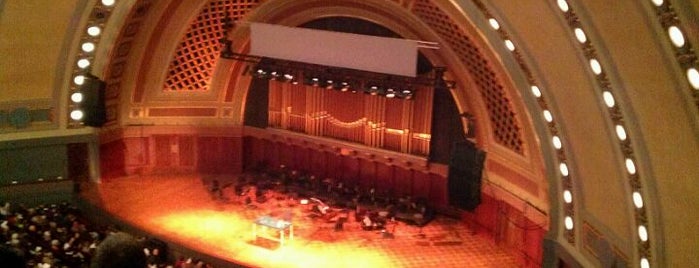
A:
[563,5]
[494,23]
[580,35]
[630,166]
[643,233]
[676,36]
[645,263]
[620,132]
[76,115]
[564,169]
[79,79]
[548,116]
[596,67]
[608,99]
[76,97]
[567,196]
[510,46]
[88,47]
[569,223]
[637,199]
[556,142]
[536,91]
[83,63]
[108,2]
[94,31]
[693,77]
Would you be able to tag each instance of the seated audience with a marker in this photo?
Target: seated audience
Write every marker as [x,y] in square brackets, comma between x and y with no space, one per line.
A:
[58,236]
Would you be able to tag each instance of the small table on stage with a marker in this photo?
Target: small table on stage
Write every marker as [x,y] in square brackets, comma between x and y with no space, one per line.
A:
[277,224]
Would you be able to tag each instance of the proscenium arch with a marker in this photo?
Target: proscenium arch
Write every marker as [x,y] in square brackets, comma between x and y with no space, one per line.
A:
[409,26]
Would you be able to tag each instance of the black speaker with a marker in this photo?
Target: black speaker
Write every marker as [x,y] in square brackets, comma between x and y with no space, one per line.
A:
[92,105]
[465,172]
[257,104]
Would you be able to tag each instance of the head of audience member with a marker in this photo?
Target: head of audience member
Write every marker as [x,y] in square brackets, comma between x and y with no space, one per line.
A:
[11,258]
[119,250]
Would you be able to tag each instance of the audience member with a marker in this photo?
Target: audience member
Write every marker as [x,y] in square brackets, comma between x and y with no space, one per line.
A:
[119,250]
[11,257]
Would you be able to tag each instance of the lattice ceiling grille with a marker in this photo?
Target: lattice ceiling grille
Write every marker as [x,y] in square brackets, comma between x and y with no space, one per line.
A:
[195,58]
[506,129]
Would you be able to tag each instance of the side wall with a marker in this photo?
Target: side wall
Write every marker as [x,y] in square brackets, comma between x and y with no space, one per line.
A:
[169,150]
[41,170]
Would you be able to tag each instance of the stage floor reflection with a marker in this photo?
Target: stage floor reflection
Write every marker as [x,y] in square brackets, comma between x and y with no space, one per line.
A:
[181,210]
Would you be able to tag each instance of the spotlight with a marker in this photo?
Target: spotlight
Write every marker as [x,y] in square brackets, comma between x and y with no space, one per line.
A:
[260,73]
[373,90]
[288,77]
[390,93]
[345,86]
[312,81]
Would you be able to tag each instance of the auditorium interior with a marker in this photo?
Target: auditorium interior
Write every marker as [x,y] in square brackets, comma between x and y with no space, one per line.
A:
[350,133]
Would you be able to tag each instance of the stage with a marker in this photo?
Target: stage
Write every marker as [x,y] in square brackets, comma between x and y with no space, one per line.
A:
[180,209]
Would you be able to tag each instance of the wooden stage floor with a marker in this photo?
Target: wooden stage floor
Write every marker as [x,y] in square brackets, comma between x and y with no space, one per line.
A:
[180,210]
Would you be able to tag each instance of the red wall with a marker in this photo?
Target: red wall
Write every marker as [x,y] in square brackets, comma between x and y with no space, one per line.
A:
[160,150]
[510,228]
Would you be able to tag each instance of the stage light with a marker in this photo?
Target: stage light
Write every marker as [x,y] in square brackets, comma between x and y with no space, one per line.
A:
[312,81]
[373,90]
[260,73]
[329,84]
[390,93]
[345,86]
